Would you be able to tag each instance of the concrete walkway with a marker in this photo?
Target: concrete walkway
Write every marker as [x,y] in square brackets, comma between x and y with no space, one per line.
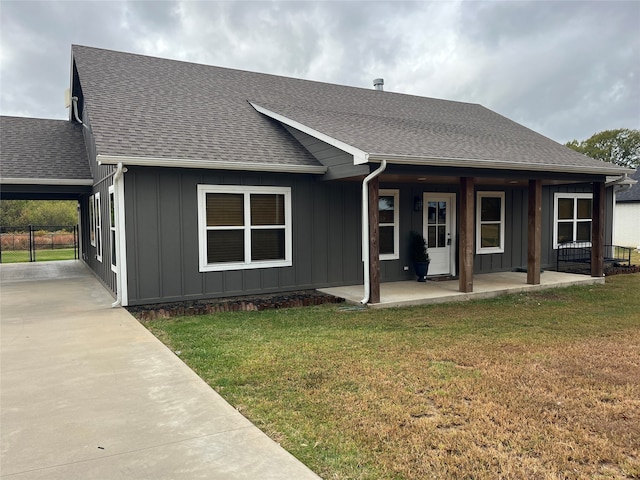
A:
[88,393]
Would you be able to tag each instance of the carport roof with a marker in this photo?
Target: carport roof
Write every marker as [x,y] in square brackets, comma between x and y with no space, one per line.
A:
[39,151]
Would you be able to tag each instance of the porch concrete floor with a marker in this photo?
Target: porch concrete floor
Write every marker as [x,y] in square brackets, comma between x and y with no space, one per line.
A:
[397,294]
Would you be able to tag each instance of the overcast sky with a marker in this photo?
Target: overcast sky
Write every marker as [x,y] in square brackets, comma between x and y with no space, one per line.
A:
[566,69]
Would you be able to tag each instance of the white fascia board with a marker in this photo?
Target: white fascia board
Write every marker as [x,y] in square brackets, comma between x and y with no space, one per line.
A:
[44,181]
[209,164]
[359,157]
[496,164]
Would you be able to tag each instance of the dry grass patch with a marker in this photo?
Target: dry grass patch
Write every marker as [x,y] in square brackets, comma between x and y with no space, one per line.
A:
[541,386]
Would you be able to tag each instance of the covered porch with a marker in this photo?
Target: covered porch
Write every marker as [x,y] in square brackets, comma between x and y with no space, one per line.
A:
[488,285]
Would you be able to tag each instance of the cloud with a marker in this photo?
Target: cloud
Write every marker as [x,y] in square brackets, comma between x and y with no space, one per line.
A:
[566,69]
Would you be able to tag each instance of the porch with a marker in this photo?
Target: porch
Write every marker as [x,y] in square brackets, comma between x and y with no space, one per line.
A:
[397,294]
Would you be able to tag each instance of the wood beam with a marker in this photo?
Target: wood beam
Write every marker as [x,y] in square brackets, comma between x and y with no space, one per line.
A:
[374,241]
[597,230]
[534,248]
[465,254]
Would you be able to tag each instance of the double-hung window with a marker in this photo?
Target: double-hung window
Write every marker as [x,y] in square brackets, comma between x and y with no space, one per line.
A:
[112,228]
[388,207]
[572,218]
[490,222]
[98,226]
[244,227]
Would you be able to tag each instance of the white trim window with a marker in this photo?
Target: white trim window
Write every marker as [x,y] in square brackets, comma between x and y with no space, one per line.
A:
[244,227]
[112,228]
[389,224]
[92,220]
[572,219]
[98,234]
[490,223]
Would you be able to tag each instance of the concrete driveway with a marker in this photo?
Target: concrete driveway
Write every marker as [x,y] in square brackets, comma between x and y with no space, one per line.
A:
[87,392]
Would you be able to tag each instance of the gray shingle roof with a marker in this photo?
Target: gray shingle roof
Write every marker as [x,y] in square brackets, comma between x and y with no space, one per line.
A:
[633,194]
[34,148]
[148,107]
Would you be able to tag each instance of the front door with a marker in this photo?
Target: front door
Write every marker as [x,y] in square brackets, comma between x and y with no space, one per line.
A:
[439,220]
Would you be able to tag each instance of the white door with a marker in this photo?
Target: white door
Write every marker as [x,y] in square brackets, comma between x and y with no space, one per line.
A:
[439,220]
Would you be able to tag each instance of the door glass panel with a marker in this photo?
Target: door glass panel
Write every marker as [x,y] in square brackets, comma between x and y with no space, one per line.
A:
[431,237]
[442,234]
[433,208]
[442,212]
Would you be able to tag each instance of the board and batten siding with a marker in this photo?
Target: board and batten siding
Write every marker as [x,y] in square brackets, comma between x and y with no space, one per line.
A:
[162,236]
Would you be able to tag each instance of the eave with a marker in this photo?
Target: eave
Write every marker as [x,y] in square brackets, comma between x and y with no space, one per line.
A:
[210,164]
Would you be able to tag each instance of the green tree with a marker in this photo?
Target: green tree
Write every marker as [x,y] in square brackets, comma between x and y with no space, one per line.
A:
[621,146]
[38,212]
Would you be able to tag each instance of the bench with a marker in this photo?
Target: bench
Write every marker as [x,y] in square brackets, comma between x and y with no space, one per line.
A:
[578,255]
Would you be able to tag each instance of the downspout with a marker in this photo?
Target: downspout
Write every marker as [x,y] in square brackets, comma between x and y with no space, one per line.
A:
[365,228]
[74,100]
[117,177]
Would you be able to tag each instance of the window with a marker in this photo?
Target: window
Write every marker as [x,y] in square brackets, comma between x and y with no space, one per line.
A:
[98,229]
[244,227]
[572,218]
[112,227]
[388,224]
[490,222]
[92,220]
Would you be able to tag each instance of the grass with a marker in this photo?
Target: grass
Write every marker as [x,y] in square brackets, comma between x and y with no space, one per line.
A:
[19,256]
[543,385]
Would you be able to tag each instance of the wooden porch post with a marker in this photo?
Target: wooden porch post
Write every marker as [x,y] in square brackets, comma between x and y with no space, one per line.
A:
[466,234]
[374,241]
[597,230]
[534,232]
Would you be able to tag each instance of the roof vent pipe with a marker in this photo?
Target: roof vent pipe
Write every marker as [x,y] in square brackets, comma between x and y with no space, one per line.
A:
[378,83]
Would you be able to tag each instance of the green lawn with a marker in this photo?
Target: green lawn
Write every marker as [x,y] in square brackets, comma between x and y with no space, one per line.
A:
[542,385]
[18,256]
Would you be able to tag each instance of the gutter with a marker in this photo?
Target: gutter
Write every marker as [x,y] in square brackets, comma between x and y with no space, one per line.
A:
[210,164]
[74,100]
[497,164]
[365,229]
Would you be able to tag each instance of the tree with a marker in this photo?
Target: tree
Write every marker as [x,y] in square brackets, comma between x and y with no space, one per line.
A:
[15,213]
[621,146]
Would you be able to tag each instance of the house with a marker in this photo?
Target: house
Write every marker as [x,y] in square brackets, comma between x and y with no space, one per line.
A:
[627,213]
[209,182]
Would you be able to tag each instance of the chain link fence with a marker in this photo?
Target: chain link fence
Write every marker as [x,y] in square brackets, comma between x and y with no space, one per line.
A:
[32,243]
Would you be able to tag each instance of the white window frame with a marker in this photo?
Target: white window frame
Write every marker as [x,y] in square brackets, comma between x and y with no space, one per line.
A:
[98,234]
[248,263]
[92,220]
[557,196]
[112,228]
[396,223]
[479,222]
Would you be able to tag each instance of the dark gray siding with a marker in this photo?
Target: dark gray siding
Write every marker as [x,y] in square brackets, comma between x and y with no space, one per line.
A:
[162,236]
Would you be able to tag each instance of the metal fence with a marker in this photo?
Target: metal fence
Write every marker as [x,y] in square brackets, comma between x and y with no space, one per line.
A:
[32,243]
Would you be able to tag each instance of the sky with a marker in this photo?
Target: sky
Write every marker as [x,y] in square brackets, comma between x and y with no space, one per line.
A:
[566,69]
